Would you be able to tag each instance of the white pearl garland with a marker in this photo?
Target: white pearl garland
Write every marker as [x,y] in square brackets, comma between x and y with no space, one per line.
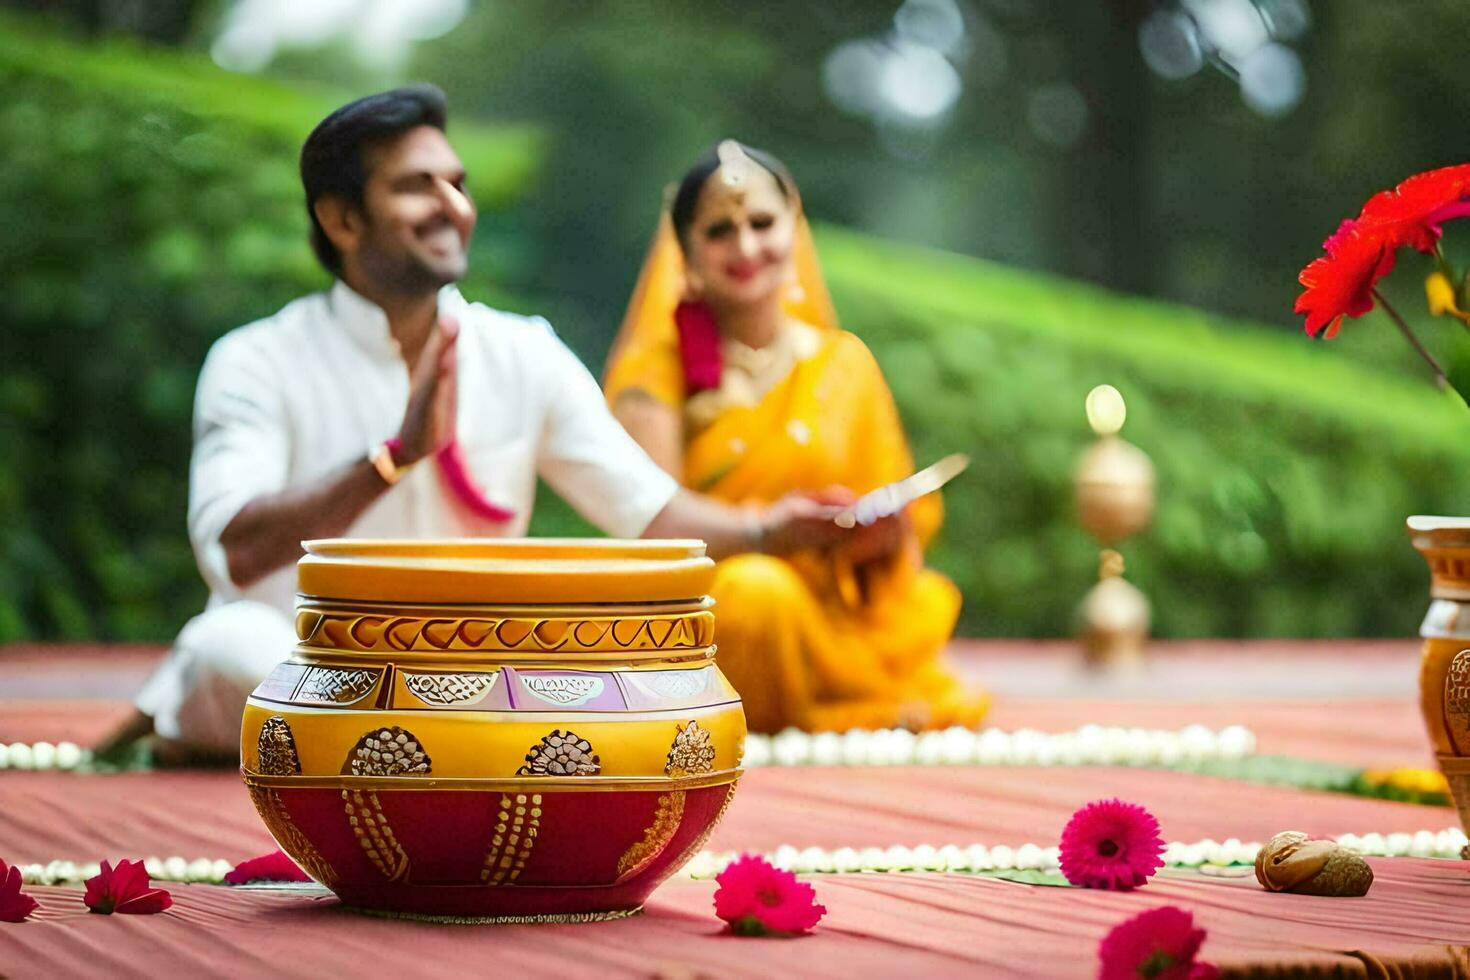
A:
[1446,843]
[159,869]
[44,756]
[1090,745]
[979,858]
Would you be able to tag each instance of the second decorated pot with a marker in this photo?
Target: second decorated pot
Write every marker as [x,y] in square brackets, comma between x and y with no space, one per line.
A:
[1444,671]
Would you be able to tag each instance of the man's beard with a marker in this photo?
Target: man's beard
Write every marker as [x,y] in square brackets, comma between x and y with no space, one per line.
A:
[402,272]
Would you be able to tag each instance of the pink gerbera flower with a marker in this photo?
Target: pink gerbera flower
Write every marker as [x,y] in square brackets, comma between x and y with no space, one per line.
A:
[1111,844]
[758,899]
[1160,944]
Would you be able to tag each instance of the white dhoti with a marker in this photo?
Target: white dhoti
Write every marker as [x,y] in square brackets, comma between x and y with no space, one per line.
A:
[197,695]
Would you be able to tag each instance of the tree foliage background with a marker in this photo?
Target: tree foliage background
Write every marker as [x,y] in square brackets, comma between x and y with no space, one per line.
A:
[151,203]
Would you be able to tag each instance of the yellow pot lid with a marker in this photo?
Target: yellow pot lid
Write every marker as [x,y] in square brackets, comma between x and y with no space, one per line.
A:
[504,571]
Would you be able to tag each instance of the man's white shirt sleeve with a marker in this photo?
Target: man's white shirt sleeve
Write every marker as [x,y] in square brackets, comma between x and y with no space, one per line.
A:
[588,457]
[242,447]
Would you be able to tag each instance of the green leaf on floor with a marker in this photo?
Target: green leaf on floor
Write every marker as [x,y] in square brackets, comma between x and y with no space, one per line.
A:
[1312,774]
[1028,876]
[1280,770]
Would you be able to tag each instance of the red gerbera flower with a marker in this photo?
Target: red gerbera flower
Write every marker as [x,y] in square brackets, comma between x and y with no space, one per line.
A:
[1112,845]
[1161,944]
[124,889]
[1412,213]
[1341,283]
[1362,249]
[15,904]
[757,899]
[1337,238]
[275,866]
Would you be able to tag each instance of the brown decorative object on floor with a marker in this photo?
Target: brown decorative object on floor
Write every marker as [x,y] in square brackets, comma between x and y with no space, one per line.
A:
[1115,499]
[1444,671]
[1293,862]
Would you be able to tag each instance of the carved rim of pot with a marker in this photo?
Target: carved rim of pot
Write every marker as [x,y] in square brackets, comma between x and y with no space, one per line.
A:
[1445,544]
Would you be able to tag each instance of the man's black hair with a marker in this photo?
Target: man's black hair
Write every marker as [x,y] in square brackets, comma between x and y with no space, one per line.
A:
[332,156]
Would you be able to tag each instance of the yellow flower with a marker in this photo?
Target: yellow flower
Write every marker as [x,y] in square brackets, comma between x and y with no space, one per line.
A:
[1441,296]
[1425,781]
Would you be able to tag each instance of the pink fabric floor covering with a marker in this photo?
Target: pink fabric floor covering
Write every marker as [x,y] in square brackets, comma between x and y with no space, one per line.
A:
[61,816]
[928,925]
[1414,923]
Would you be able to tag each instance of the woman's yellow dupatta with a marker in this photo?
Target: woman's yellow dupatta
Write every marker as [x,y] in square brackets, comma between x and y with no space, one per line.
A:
[645,354]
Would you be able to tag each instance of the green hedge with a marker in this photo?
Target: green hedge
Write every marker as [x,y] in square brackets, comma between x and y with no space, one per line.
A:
[1285,468]
[151,203]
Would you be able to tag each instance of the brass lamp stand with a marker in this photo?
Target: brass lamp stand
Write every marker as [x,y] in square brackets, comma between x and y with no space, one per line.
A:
[1115,500]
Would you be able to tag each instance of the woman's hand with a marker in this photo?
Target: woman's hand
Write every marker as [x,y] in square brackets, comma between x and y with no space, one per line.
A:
[861,544]
[799,521]
[807,519]
[878,541]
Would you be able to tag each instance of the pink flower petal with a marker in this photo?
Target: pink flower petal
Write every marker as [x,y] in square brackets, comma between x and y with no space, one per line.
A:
[151,901]
[125,889]
[15,905]
[275,866]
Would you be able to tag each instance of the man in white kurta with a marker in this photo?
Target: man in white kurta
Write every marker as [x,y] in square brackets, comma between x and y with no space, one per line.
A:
[293,397]
[326,418]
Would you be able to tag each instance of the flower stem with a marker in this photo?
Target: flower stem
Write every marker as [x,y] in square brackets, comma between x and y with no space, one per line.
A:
[1440,379]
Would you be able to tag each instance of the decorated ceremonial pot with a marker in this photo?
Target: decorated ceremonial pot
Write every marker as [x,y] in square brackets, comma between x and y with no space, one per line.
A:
[1444,672]
[496,729]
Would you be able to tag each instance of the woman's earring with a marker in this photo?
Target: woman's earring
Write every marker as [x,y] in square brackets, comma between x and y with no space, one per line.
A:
[794,292]
[693,288]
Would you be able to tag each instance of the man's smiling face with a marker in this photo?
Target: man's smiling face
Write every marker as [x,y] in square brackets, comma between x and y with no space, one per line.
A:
[418,216]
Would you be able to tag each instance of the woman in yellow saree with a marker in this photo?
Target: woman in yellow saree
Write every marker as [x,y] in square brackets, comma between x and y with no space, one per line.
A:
[731,370]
